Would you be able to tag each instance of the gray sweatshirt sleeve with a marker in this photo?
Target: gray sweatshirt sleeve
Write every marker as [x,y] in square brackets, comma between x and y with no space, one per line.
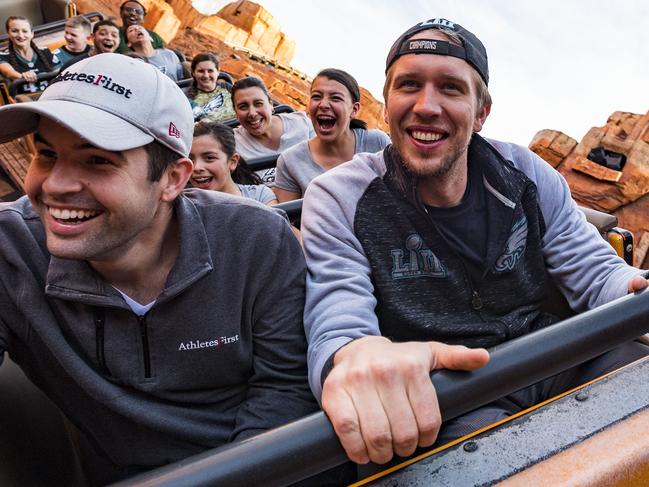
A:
[584,266]
[278,390]
[339,301]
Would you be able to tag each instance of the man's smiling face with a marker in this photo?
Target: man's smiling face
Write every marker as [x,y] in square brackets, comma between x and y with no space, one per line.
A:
[94,204]
[432,109]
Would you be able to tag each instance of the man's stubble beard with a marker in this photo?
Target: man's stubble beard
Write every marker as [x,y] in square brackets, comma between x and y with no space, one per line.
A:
[448,163]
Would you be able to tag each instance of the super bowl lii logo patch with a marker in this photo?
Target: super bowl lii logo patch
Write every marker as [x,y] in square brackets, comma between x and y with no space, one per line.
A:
[415,260]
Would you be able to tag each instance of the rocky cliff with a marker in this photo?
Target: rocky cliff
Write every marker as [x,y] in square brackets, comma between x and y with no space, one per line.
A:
[248,40]
[608,170]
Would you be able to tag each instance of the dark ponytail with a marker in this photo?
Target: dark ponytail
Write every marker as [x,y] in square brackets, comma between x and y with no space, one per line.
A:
[12,57]
[41,55]
[244,175]
[357,123]
[349,82]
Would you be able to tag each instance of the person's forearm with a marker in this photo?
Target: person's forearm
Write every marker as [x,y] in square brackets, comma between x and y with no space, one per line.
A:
[9,72]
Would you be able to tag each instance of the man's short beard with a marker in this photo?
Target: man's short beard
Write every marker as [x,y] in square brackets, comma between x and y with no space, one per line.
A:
[448,163]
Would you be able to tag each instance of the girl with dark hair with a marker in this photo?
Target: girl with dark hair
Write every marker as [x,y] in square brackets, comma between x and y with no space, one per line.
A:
[333,105]
[23,59]
[217,165]
[262,133]
[207,96]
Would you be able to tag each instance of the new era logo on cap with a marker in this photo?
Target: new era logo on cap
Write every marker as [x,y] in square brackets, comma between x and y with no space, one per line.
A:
[173,131]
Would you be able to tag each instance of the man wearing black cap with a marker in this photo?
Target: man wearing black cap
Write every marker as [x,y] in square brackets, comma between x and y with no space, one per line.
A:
[442,241]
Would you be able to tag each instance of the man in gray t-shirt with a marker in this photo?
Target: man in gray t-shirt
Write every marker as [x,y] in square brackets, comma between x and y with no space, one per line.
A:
[165,60]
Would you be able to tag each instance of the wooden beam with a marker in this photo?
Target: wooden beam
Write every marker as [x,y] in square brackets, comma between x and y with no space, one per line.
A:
[14,160]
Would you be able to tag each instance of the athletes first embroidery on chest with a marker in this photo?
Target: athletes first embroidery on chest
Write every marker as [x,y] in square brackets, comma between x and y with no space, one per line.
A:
[216,342]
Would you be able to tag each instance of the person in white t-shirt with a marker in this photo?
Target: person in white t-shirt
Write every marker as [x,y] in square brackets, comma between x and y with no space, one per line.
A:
[261,132]
[167,61]
[334,102]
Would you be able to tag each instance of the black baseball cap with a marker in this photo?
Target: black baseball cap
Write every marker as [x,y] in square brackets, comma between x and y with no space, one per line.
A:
[472,50]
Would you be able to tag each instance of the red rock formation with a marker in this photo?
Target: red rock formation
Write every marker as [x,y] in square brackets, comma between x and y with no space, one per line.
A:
[263,30]
[241,23]
[623,193]
[262,51]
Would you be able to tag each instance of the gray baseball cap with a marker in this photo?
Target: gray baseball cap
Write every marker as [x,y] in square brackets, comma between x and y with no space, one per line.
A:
[113,101]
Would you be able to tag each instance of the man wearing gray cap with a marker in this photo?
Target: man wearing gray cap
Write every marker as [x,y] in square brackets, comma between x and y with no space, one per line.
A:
[443,241]
[162,322]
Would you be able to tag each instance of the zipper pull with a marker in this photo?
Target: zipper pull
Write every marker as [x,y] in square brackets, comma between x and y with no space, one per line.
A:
[476,302]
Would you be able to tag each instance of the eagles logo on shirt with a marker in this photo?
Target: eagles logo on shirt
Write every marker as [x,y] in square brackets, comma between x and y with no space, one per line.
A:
[514,247]
[214,103]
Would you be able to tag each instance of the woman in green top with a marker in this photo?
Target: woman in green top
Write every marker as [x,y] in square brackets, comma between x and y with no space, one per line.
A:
[208,97]
[23,59]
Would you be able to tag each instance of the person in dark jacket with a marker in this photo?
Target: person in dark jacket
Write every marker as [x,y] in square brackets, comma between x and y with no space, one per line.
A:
[162,322]
[438,243]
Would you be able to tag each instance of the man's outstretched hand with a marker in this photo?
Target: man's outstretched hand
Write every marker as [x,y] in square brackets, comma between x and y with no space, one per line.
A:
[380,399]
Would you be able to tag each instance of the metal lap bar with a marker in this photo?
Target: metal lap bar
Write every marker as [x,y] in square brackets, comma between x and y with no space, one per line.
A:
[581,437]
[292,208]
[282,108]
[309,446]
[15,85]
[259,163]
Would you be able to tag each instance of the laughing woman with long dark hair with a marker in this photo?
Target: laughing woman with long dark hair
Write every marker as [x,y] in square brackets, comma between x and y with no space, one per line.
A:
[334,103]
